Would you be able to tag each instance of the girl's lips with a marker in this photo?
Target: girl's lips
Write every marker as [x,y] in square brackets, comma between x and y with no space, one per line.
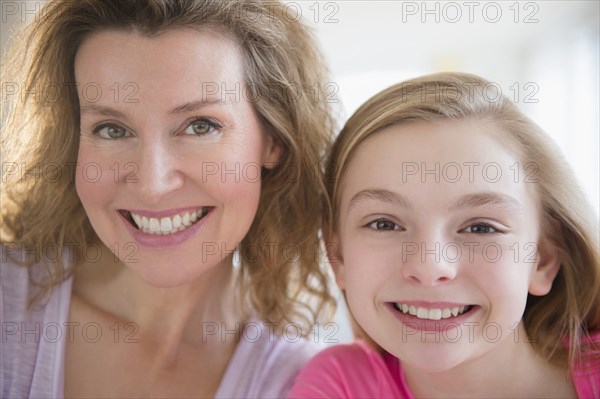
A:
[432,318]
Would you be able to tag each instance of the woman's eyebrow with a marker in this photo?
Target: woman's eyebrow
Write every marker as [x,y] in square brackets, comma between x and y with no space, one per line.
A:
[380,195]
[100,110]
[484,198]
[196,105]
[108,111]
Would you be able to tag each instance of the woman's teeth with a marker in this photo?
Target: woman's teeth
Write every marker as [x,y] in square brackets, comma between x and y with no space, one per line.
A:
[431,314]
[168,225]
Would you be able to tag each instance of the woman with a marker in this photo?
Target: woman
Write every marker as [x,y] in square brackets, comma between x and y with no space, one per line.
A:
[150,139]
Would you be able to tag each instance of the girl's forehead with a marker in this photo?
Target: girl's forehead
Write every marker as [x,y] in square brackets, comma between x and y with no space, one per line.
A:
[438,143]
[441,159]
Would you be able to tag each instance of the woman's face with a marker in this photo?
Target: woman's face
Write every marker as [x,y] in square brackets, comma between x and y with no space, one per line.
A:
[171,149]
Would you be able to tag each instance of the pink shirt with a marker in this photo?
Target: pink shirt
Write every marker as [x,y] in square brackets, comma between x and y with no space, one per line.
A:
[358,371]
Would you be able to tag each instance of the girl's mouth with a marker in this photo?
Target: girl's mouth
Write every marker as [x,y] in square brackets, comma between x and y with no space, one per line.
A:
[431,313]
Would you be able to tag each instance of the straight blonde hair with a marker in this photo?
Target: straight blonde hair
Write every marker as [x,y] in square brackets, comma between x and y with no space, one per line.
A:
[559,322]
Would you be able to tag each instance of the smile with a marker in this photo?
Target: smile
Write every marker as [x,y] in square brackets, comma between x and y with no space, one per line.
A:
[166,225]
[432,313]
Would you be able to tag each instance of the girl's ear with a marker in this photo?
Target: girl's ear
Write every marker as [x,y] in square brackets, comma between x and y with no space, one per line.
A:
[334,254]
[548,265]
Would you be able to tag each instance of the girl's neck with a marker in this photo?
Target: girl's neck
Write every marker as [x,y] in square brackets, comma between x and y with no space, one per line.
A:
[513,369]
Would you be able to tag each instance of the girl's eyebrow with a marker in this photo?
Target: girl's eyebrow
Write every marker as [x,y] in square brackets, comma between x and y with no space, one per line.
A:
[466,201]
[484,198]
[380,195]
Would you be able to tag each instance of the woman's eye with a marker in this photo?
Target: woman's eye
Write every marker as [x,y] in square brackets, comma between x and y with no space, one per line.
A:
[110,131]
[481,228]
[383,225]
[201,127]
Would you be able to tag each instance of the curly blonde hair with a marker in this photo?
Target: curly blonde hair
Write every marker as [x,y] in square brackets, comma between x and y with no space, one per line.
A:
[284,75]
[572,308]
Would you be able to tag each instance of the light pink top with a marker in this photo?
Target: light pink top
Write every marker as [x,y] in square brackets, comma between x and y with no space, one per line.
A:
[33,342]
[358,371]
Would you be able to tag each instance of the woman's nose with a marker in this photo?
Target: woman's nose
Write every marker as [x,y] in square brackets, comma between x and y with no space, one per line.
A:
[155,173]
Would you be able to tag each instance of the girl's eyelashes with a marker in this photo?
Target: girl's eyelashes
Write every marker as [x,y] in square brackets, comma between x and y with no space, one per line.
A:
[383,224]
[110,131]
[482,228]
[202,126]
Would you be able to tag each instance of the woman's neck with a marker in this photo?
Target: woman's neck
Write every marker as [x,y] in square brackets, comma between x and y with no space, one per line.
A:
[513,369]
[188,314]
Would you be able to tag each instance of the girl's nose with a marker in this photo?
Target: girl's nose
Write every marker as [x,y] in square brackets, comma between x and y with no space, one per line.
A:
[428,263]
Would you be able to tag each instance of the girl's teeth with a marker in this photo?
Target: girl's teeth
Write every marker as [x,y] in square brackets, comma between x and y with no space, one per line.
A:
[431,314]
[435,314]
[168,225]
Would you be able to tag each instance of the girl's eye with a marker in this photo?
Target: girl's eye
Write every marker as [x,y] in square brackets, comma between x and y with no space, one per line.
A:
[481,228]
[110,132]
[201,127]
[383,225]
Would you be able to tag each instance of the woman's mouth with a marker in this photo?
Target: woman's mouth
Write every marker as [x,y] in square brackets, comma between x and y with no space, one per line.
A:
[166,225]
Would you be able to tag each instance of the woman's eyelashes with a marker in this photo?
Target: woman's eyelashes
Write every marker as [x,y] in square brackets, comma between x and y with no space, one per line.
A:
[202,126]
[197,127]
[110,131]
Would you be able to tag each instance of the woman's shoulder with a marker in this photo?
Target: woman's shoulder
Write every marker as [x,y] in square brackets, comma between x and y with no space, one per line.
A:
[19,283]
[346,371]
[265,363]
[31,335]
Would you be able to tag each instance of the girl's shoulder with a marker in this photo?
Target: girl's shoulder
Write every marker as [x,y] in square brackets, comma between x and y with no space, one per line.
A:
[348,371]
[586,373]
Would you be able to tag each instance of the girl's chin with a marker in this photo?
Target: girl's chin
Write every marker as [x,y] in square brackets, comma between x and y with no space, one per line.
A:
[432,360]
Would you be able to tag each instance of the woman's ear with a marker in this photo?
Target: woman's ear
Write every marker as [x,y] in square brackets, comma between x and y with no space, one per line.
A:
[273,151]
[334,254]
[547,267]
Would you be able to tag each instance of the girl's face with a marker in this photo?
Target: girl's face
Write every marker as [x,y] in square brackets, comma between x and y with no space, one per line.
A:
[170,151]
[438,241]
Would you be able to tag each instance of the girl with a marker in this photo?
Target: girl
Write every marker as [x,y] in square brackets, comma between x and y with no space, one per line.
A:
[466,251]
